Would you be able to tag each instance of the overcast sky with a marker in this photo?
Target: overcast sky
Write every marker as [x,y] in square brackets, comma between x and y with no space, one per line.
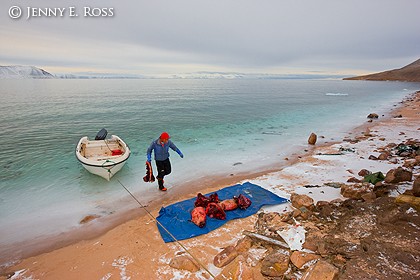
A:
[180,36]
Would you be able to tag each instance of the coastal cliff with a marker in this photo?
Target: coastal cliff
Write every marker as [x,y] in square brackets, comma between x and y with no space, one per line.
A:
[409,73]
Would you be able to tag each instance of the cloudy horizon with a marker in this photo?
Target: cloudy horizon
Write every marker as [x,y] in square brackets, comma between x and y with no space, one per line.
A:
[186,36]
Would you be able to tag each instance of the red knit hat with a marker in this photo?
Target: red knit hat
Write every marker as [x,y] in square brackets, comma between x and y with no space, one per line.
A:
[164,136]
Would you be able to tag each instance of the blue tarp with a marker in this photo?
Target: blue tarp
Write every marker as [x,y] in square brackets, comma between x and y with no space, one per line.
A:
[176,217]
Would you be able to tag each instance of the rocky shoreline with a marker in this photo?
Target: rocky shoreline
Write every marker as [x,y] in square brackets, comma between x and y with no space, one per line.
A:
[370,235]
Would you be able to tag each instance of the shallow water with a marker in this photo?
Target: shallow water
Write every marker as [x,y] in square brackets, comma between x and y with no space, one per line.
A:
[222,126]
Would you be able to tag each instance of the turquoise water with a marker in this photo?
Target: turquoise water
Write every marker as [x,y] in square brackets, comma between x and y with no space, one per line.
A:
[222,126]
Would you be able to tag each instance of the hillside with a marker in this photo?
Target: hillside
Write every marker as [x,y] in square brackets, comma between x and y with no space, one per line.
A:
[23,72]
[409,73]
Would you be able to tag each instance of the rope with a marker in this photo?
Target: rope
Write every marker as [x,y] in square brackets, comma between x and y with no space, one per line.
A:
[173,237]
[106,143]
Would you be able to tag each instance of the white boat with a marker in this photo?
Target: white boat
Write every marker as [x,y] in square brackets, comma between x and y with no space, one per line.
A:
[102,157]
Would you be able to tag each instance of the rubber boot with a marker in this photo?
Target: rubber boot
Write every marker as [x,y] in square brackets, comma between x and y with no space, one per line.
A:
[160,182]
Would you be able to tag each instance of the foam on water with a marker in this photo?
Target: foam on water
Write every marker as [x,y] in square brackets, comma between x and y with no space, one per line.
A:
[221,126]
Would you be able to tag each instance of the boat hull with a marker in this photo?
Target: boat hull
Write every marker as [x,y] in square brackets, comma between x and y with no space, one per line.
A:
[104,172]
[102,157]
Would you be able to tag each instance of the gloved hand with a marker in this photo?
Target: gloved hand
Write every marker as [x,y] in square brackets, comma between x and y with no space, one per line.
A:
[149,158]
[180,153]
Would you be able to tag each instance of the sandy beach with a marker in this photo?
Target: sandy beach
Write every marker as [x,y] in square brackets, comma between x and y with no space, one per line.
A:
[134,249]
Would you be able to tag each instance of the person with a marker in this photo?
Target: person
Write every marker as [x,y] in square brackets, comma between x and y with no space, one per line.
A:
[161,147]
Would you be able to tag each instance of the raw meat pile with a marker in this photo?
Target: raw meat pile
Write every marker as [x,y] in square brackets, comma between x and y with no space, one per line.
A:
[214,208]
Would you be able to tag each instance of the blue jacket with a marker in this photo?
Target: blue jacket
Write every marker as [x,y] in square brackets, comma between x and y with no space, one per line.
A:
[161,150]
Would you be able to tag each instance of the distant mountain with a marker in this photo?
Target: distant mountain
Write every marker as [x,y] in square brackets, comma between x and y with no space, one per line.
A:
[409,73]
[23,72]
[238,75]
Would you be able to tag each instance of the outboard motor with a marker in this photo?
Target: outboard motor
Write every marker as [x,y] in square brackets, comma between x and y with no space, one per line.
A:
[101,134]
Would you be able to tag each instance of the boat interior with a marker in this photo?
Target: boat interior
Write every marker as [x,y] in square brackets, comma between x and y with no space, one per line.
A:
[101,149]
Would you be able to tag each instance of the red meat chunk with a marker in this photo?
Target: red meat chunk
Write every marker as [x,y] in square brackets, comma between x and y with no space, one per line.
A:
[243,201]
[214,210]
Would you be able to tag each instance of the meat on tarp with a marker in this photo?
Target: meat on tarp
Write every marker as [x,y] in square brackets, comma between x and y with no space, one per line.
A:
[214,210]
[198,216]
[228,204]
[243,201]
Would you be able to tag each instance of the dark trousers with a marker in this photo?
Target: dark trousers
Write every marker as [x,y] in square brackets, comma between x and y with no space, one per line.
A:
[163,168]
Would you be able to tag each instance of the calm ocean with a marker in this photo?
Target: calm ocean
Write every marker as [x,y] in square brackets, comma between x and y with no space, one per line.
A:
[221,126]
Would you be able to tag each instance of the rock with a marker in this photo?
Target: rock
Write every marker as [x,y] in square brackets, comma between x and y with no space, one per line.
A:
[393,160]
[271,220]
[243,245]
[321,270]
[372,116]
[312,139]
[398,175]
[364,172]
[381,190]
[410,163]
[353,180]
[367,133]
[339,261]
[225,256]
[321,203]
[311,244]
[275,264]
[325,211]
[410,199]
[299,200]
[369,197]
[383,156]
[238,270]
[305,213]
[356,191]
[299,259]
[372,157]
[184,263]
[416,187]
[88,218]
[296,213]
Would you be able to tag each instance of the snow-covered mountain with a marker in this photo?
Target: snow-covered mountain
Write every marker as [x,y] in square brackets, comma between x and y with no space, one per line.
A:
[23,72]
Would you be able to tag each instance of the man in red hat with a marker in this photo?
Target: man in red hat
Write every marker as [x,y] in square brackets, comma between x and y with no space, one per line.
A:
[161,150]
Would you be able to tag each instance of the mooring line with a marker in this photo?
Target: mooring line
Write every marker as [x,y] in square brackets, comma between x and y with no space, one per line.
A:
[172,236]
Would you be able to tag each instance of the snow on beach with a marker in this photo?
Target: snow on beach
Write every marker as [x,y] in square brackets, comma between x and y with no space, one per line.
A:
[134,250]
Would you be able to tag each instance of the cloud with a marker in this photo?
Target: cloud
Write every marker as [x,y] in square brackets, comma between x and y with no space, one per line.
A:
[172,36]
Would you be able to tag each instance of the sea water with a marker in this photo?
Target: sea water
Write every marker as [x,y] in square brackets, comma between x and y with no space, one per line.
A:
[223,127]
